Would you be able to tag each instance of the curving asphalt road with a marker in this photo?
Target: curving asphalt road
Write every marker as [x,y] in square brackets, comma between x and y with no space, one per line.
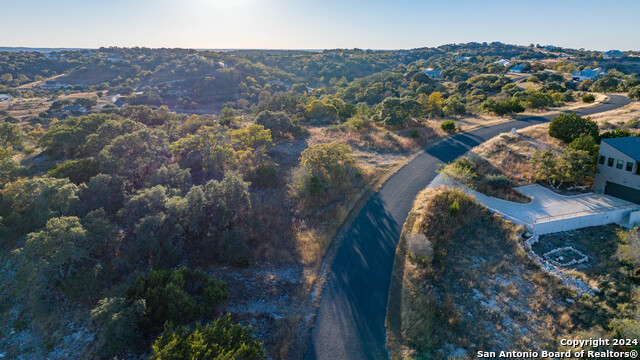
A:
[350,320]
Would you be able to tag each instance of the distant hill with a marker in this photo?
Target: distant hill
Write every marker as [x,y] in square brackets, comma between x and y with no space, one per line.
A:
[40,50]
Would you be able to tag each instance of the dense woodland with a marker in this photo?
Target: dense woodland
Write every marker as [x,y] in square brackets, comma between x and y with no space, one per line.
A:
[116,220]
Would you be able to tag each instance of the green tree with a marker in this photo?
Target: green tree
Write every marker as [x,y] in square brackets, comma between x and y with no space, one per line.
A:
[279,123]
[322,113]
[568,127]
[77,171]
[634,93]
[179,296]
[29,204]
[216,341]
[580,166]
[538,100]
[548,166]
[58,251]
[11,135]
[227,117]
[607,83]
[10,169]
[103,191]
[119,321]
[135,156]
[586,143]
[454,106]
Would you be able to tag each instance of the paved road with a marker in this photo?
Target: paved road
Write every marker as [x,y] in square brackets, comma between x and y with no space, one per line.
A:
[350,320]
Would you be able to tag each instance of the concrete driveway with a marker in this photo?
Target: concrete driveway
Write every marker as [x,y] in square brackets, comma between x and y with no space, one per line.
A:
[544,203]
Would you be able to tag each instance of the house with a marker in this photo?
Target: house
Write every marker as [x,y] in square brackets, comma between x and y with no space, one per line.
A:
[434,74]
[503,62]
[613,54]
[619,168]
[113,59]
[588,74]
[52,85]
[5,97]
[518,69]
[549,48]
[462,58]
[54,56]
[74,110]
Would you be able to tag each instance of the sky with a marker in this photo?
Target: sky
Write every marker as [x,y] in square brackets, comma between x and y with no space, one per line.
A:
[318,24]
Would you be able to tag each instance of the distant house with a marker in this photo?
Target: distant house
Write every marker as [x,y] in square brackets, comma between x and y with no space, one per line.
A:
[432,73]
[503,62]
[74,110]
[5,97]
[52,85]
[113,59]
[517,69]
[54,56]
[462,59]
[613,54]
[549,48]
[588,74]
[619,168]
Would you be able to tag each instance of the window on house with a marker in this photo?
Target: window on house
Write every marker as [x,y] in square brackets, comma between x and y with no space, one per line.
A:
[601,160]
[610,162]
[619,164]
[629,166]
[637,167]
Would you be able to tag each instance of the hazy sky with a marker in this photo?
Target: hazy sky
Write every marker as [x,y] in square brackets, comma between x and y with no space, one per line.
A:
[318,24]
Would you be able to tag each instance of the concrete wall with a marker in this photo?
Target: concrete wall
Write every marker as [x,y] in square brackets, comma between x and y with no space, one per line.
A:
[634,217]
[613,174]
[579,222]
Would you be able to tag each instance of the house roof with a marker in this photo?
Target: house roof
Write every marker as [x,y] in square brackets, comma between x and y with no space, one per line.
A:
[432,71]
[74,108]
[629,145]
[517,67]
[614,52]
[589,73]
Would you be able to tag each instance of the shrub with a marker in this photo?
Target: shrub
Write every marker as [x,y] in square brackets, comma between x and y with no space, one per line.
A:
[266,176]
[498,180]
[568,127]
[502,107]
[448,126]
[420,248]
[454,208]
[616,133]
[586,143]
[588,98]
[179,296]
[219,340]
[415,133]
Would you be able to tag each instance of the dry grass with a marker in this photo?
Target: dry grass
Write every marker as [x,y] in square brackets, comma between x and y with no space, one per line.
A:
[627,116]
[480,291]
[571,106]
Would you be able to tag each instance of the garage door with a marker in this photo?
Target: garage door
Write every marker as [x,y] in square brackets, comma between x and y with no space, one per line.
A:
[622,192]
